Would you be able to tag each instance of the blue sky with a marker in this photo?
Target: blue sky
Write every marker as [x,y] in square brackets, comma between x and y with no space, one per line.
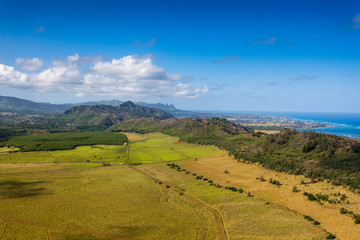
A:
[202,55]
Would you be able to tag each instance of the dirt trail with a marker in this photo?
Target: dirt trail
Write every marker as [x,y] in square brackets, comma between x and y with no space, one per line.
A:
[48,234]
[217,214]
[3,231]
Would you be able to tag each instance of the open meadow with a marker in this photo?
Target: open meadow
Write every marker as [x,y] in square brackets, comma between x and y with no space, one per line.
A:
[166,189]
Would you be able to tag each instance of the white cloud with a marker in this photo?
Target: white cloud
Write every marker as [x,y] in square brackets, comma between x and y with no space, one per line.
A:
[29,64]
[10,77]
[270,41]
[227,59]
[130,76]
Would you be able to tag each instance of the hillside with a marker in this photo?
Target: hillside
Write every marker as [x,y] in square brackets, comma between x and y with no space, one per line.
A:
[105,115]
[13,104]
[319,156]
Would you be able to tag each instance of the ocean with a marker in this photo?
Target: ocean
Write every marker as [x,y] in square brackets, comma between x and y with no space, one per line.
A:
[344,124]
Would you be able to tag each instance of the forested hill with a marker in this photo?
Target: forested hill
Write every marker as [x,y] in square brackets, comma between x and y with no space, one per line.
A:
[319,156]
[105,115]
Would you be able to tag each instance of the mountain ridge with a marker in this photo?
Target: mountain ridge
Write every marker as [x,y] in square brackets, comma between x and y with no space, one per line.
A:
[14,104]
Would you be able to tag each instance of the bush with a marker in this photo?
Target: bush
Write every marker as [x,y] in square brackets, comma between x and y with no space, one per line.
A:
[343,210]
[240,190]
[330,236]
[316,223]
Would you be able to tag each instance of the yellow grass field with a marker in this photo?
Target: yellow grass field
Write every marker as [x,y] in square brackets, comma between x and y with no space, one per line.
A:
[76,199]
[57,201]
[244,175]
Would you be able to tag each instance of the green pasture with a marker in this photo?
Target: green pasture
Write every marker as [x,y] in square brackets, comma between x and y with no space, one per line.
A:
[157,147]
[94,153]
[63,141]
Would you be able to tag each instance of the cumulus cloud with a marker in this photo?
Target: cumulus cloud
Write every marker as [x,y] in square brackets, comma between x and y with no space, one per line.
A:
[227,59]
[129,76]
[272,40]
[29,64]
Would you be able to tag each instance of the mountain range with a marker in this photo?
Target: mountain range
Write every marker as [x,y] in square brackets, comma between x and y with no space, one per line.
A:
[13,104]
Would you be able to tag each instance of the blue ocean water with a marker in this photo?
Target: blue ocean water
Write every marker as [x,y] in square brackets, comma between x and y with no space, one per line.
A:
[344,124]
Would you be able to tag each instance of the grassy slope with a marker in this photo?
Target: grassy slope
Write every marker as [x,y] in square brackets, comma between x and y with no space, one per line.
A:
[157,147]
[245,217]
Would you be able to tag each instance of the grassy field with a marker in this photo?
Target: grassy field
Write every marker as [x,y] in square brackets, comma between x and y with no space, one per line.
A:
[57,201]
[245,217]
[247,176]
[157,147]
[77,199]
[95,153]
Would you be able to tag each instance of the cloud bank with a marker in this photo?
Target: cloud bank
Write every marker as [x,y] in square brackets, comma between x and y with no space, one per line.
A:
[130,76]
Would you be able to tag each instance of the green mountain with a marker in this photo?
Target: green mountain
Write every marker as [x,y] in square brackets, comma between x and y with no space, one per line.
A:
[13,104]
[315,155]
[105,115]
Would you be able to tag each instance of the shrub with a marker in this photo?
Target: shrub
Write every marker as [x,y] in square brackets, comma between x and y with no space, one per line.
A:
[330,236]
[316,223]
[311,197]
[343,210]
[240,190]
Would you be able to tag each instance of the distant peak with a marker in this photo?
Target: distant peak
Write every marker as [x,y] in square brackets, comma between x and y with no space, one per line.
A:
[128,104]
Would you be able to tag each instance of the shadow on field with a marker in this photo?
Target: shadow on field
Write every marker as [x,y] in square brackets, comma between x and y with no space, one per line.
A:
[20,189]
[131,231]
